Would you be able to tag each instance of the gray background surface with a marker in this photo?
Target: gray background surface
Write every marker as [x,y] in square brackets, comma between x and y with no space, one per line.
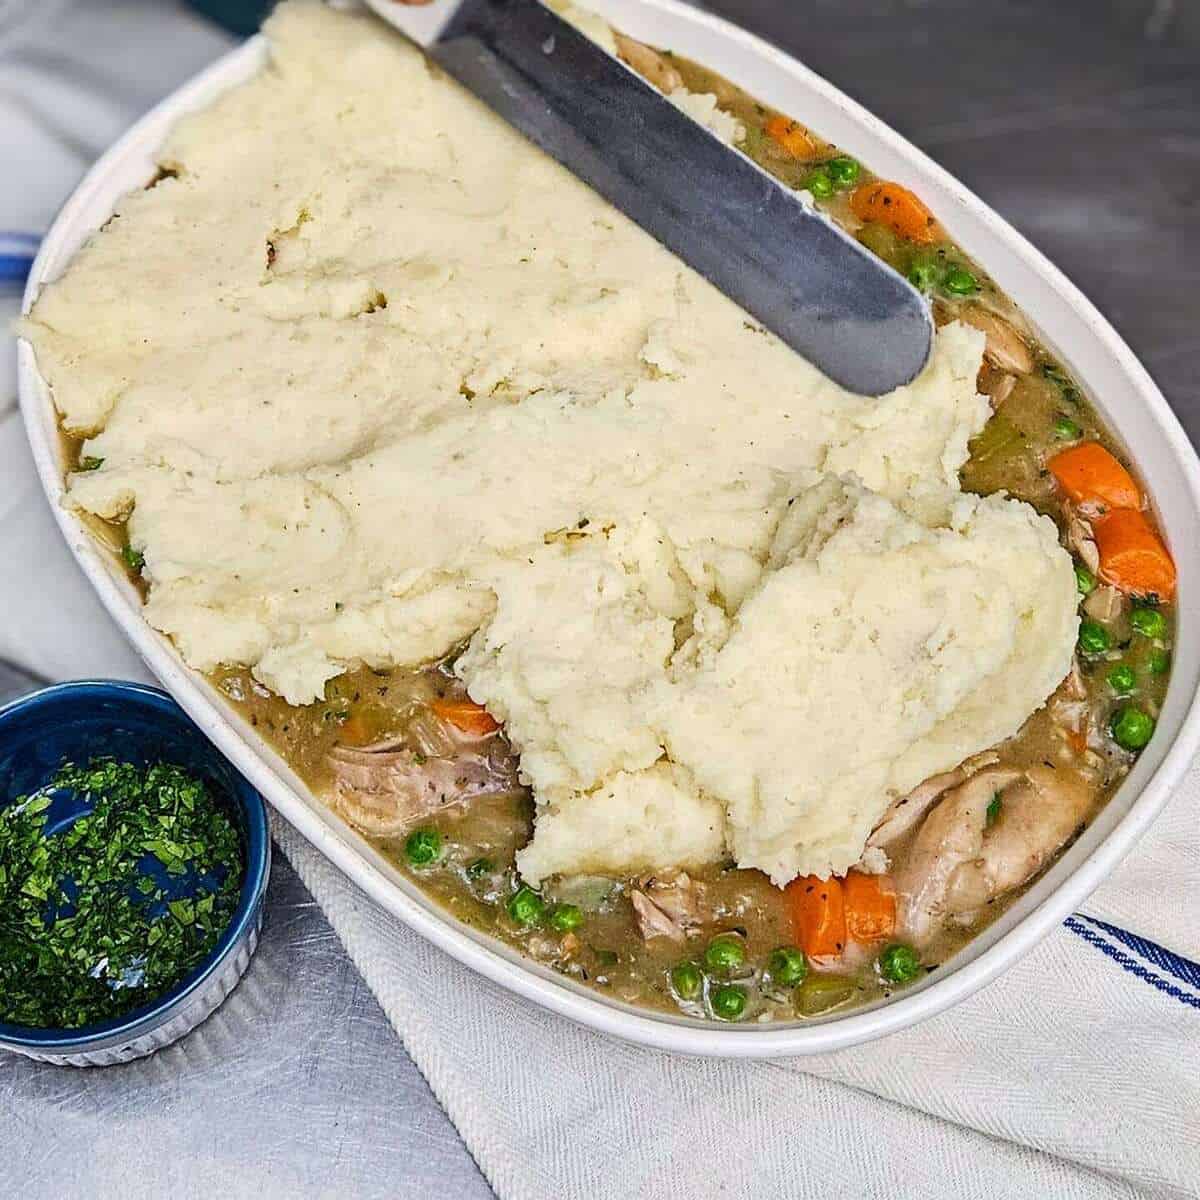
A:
[1080,122]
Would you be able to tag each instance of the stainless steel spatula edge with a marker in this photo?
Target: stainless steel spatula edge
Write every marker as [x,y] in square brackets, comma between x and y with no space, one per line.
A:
[788,266]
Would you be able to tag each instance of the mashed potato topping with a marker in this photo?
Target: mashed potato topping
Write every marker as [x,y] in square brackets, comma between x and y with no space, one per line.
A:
[371,377]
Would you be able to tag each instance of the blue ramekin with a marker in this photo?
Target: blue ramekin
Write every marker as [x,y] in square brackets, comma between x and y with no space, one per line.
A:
[74,722]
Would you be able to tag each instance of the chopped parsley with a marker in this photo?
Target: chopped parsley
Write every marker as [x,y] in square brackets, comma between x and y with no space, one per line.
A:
[133,559]
[112,910]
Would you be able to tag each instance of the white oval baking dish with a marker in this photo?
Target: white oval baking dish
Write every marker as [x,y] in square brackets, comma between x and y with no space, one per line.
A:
[1067,322]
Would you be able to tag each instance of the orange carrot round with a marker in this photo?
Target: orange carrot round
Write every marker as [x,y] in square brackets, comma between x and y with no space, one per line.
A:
[1132,556]
[897,207]
[870,902]
[466,715]
[817,910]
[792,136]
[1088,473]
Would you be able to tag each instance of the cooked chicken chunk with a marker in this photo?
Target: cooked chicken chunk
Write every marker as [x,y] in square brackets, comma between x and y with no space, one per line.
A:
[985,837]
[667,905]
[386,788]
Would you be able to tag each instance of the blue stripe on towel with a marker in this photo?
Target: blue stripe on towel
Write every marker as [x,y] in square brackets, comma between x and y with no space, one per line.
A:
[15,267]
[1075,923]
[1182,968]
[16,254]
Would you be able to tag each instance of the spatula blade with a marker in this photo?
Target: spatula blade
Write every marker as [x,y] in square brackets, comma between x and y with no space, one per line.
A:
[792,269]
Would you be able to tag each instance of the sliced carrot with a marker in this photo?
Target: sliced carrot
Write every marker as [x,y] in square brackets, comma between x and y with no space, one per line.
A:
[1132,556]
[466,715]
[792,136]
[817,910]
[896,207]
[870,907]
[1087,473]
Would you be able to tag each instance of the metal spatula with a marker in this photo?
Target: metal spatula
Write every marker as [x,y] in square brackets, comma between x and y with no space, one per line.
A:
[796,272]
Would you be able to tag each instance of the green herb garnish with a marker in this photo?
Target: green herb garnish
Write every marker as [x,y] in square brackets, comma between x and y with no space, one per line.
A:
[133,559]
[90,928]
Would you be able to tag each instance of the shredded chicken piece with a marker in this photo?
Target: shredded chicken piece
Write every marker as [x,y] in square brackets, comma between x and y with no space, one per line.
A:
[952,834]
[667,905]
[1004,347]
[385,788]
[649,64]
[908,810]
[874,861]
[1104,604]
[1080,539]
[961,861]
[1002,389]
[1069,711]
[652,921]
[1070,718]
[544,948]
[1037,815]
[1073,685]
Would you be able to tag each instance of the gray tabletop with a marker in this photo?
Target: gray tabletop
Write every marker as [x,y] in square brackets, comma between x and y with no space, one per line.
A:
[1078,121]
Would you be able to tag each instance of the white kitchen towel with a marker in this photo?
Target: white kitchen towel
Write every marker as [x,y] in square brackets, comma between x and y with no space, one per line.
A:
[1075,1075]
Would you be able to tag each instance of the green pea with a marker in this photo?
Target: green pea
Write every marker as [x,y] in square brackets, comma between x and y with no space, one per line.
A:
[526,907]
[819,184]
[479,868]
[1121,678]
[1149,622]
[1159,662]
[725,953]
[960,282]
[993,809]
[566,917]
[133,559]
[787,966]
[728,1002]
[899,963]
[90,463]
[423,847]
[843,170]
[1085,581]
[1093,637]
[819,993]
[1131,728]
[687,980]
[924,275]
[1065,429]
